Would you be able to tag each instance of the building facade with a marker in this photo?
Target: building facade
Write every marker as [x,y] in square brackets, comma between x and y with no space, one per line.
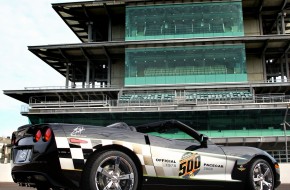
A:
[5,150]
[219,66]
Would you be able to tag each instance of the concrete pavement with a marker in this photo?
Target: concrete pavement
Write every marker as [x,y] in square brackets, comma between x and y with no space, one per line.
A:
[6,181]
[14,186]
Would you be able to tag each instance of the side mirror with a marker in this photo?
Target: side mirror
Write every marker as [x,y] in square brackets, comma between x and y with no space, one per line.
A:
[203,141]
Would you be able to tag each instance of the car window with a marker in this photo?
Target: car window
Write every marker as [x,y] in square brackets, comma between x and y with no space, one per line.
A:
[172,133]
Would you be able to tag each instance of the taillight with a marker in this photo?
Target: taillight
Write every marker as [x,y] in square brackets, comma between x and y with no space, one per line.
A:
[47,135]
[37,136]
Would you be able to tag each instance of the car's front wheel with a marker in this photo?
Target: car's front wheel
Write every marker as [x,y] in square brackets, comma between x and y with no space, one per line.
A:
[261,176]
[110,170]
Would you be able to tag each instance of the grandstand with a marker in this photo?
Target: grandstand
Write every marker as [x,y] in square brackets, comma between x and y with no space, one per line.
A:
[221,67]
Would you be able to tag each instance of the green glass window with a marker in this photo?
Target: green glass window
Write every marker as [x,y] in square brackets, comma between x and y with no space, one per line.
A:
[184,21]
[177,65]
[221,123]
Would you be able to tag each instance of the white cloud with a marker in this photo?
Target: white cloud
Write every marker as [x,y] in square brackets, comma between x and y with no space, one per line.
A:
[27,23]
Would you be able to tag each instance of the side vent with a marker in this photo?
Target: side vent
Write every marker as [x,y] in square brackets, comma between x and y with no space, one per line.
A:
[147,139]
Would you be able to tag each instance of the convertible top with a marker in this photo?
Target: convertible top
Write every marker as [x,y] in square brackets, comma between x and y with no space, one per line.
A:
[159,126]
[144,128]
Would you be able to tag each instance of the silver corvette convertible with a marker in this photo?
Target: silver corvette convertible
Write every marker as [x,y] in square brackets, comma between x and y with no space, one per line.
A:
[161,155]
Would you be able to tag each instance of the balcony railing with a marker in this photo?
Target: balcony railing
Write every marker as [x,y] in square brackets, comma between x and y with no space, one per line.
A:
[45,102]
[278,81]
[70,87]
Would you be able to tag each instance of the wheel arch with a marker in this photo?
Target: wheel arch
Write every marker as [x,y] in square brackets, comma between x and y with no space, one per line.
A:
[125,150]
[270,162]
[242,167]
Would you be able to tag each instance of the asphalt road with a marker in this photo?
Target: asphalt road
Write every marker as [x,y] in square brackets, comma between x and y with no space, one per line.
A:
[13,186]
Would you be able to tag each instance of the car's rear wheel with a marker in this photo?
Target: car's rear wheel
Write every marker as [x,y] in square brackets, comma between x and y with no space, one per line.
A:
[110,170]
[261,176]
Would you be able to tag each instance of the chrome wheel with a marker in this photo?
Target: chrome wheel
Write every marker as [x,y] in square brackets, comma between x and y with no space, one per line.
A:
[114,173]
[262,176]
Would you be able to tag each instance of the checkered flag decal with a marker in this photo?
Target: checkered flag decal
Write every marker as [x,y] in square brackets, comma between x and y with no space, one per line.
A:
[72,156]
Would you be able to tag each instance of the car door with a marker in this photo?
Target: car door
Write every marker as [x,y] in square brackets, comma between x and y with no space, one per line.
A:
[187,160]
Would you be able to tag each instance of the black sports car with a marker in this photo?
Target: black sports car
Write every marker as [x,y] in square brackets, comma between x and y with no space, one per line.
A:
[122,157]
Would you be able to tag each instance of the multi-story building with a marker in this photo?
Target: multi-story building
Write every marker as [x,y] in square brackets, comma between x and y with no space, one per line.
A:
[219,66]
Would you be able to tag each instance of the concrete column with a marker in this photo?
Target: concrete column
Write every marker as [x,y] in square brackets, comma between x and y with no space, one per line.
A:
[67,75]
[73,77]
[287,67]
[278,25]
[264,67]
[110,29]
[93,75]
[261,24]
[282,69]
[109,72]
[83,84]
[88,74]
[282,23]
[90,31]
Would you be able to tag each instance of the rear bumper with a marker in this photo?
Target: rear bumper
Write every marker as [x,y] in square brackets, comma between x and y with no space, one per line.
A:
[43,170]
[34,179]
[37,164]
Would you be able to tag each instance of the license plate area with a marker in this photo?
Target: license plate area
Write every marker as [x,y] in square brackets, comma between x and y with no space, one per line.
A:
[23,156]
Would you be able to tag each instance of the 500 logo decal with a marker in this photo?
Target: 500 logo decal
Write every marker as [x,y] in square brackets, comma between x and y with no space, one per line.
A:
[189,165]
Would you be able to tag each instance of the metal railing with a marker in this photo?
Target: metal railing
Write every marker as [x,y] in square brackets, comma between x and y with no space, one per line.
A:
[206,101]
[45,102]
[269,98]
[280,155]
[193,84]
[71,87]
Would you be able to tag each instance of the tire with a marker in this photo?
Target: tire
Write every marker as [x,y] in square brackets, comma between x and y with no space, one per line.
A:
[261,176]
[110,170]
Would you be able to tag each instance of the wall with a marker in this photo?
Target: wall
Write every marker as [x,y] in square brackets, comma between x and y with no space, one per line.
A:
[254,68]
[117,74]
[285,175]
[5,170]
[251,26]
[118,32]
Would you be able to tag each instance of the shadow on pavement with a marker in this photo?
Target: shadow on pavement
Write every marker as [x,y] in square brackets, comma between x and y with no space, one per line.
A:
[14,186]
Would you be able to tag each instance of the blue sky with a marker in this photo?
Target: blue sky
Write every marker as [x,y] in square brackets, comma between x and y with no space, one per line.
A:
[27,23]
